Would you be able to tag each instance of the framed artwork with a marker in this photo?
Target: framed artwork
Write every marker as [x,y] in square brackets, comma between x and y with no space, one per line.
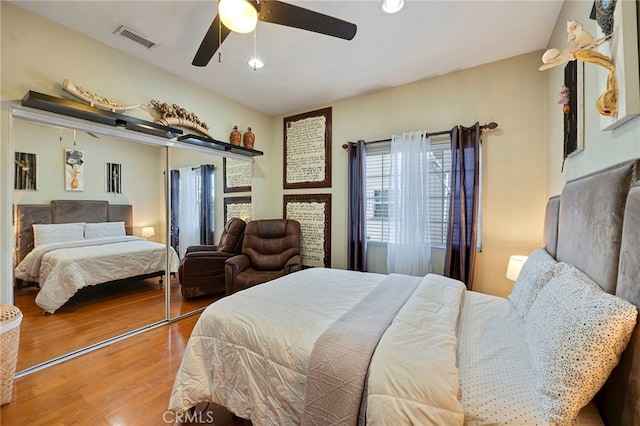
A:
[237,207]
[572,101]
[237,175]
[620,19]
[25,171]
[114,178]
[307,150]
[73,168]
[313,211]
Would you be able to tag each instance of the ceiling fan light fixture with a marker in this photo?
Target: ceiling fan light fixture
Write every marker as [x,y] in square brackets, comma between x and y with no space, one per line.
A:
[392,6]
[238,15]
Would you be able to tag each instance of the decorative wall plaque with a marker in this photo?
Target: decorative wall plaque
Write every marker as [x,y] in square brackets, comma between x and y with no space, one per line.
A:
[313,211]
[237,175]
[237,207]
[307,150]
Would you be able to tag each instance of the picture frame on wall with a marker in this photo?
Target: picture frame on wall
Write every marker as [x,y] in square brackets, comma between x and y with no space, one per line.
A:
[25,170]
[237,175]
[572,101]
[114,178]
[307,150]
[622,47]
[313,211]
[238,207]
[73,170]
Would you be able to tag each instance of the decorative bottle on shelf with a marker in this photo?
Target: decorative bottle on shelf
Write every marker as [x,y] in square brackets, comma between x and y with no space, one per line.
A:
[235,136]
[249,138]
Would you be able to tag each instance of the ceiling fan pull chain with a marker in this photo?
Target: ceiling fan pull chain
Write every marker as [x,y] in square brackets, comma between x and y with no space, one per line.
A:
[219,39]
[255,56]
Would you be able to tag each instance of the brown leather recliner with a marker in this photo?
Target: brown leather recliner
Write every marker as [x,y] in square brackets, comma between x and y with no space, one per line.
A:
[271,249]
[201,271]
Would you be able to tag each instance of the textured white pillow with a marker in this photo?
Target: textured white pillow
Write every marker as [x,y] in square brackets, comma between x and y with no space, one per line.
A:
[575,333]
[57,233]
[104,229]
[537,270]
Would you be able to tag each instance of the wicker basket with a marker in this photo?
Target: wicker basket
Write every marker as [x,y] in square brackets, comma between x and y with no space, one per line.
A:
[10,318]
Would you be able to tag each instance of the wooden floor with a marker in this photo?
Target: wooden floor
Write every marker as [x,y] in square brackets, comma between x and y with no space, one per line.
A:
[126,383]
[93,315]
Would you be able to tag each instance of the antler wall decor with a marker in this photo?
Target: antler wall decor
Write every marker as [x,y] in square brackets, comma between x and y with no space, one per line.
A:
[175,115]
[95,100]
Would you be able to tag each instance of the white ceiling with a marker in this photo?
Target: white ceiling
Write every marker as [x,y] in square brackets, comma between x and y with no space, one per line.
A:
[304,69]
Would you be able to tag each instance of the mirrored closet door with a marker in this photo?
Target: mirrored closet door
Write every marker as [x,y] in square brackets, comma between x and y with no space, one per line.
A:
[108,188]
[78,180]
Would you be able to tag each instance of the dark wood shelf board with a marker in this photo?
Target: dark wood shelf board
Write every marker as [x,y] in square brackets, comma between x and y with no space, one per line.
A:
[219,145]
[87,112]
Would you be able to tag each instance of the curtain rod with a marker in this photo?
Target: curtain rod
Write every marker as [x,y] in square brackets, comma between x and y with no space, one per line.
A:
[489,126]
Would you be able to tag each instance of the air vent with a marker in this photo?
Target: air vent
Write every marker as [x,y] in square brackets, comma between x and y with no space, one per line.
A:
[135,37]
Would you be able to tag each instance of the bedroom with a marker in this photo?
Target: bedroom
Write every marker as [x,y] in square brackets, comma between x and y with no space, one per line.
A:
[527,153]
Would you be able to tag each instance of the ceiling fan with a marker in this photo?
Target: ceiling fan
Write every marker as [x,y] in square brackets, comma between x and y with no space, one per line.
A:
[242,15]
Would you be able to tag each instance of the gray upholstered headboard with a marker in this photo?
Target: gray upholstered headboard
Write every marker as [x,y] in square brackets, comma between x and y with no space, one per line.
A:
[65,211]
[598,231]
[550,232]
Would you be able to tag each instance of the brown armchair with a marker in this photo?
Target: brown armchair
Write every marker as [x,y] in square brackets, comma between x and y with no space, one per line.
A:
[271,249]
[201,271]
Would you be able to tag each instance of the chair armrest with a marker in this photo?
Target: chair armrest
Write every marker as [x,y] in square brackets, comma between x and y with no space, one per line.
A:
[191,249]
[202,263]
[232,267]
[294,264]
[208,254]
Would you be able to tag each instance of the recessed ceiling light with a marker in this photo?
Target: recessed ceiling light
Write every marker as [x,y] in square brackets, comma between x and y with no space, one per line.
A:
[392,6]
[255,63]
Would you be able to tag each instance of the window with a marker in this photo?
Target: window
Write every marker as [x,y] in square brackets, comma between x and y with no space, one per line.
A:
[377,182]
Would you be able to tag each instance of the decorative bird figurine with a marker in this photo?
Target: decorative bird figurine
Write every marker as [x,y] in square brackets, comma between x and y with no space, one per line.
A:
[577,36]
[581,38]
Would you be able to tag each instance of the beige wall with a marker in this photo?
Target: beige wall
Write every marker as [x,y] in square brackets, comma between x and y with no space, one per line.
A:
[601,148]
[510,92]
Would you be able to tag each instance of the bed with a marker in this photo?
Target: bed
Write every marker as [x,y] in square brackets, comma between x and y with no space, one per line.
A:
[67,245]
[284,352]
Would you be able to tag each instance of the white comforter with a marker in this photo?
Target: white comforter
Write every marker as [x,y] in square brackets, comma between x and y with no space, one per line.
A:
[249,352]
[62,269]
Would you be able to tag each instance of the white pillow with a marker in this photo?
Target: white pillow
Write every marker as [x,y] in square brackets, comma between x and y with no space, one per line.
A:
[57,233]
[537,270]
[104,229]
[575,333]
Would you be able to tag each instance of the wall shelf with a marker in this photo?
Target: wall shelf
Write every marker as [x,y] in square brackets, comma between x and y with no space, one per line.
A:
[87,112]
[122,123]
[218,145]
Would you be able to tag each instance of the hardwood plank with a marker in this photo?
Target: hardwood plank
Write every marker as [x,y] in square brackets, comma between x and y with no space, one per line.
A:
[93,315]
[126,383]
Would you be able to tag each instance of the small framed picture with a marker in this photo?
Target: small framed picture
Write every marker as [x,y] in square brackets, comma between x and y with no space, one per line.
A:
[73,167]
[24,171]
[114,178]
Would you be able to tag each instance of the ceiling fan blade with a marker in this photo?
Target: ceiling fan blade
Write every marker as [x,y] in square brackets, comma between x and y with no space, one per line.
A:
[277,12]
[210,43]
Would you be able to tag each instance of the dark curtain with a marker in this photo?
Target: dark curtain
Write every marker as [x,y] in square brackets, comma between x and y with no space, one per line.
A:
[207,225]
[175,200]
[357,242]
[462,234]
